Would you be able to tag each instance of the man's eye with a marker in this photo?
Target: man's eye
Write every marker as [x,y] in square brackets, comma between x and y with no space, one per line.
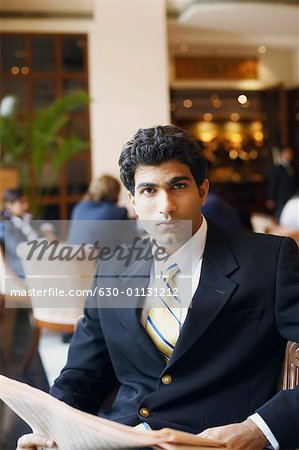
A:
[147,191]
[179,186]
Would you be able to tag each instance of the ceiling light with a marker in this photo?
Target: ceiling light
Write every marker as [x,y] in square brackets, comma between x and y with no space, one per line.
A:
[233,154]
[187,103]
[242,99]
[262,49]
[217,103]
[208,117]
[14,70]
[253,154]
[25,70]
[258,135]
[184,48]
[235,117]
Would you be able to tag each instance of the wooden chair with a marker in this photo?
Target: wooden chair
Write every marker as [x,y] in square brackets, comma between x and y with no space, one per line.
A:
[10,302]
[50,276]
[290,377]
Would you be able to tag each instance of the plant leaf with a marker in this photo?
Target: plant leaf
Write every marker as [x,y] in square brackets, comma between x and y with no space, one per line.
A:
[68,147]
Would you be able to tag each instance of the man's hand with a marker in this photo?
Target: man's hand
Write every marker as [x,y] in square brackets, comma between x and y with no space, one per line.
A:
[32,441]
[238,436]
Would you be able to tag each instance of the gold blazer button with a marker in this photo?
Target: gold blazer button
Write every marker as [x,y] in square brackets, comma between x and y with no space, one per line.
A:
[144,412]
[167,379]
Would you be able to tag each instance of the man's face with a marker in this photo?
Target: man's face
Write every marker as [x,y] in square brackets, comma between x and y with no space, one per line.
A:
[166,195]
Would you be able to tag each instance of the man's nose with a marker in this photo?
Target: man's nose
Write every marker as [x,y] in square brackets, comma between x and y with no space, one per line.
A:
[167,204]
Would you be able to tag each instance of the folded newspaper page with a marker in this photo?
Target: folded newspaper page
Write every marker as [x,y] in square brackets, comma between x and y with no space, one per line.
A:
[72,429]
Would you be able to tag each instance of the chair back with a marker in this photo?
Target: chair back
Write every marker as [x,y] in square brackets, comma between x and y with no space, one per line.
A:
[291,366]
[260,222]
[59,278]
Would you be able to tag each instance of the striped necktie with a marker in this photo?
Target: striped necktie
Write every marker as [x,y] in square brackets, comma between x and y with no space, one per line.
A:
[164,319]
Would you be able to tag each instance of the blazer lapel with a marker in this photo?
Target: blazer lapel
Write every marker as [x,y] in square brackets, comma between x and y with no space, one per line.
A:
[136,276]
[214,290]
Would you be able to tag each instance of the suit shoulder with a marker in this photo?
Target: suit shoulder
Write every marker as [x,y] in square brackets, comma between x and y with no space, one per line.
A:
[252,240]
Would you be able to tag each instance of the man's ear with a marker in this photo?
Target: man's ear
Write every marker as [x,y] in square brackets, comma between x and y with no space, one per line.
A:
[203,191]
[131,200]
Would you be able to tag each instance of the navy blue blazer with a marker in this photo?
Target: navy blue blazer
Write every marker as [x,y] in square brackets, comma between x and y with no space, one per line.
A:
[220,211]
[229,355]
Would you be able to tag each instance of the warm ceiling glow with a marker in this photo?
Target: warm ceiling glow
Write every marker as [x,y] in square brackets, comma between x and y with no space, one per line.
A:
[235,117]
[231,127]
[187,103]
[258,136]
[246,105]
[242,99]
[233,154]
[243,155]
[256,126]
[184,48]
[236,138]
[25,70]
[262,49]
[208,117]
[253,154]
[206,131]
[207,136]
[217,103]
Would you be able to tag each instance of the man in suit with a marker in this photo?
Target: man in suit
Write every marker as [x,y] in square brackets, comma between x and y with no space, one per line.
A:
[217,372]
[281,182]
[94,218]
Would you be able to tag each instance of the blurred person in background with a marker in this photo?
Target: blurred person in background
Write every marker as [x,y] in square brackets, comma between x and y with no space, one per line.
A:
[99,203]
[281,182]
[289,216]
[289,220]
[16,226]
[220,211]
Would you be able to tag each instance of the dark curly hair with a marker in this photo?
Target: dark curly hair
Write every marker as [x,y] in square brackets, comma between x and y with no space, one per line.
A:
[153,146]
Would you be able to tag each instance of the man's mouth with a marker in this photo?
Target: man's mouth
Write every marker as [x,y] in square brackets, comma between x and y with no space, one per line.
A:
[169,224]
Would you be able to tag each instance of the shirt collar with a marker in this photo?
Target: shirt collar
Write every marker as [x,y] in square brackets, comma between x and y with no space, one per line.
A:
[194,247]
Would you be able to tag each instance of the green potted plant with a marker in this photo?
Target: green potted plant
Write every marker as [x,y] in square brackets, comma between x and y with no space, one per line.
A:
[40,138]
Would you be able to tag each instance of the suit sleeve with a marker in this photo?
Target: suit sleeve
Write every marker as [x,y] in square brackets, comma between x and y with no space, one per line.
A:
[272,184]
[88,376]
[281,413]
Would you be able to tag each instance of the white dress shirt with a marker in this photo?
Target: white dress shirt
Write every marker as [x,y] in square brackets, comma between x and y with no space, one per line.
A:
[186,280]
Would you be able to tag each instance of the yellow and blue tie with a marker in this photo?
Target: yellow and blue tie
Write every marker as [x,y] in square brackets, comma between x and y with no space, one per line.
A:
[164,319]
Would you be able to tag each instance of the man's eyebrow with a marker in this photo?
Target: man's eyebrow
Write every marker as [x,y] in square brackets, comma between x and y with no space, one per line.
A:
[171,182]
[175,180]
[147,185]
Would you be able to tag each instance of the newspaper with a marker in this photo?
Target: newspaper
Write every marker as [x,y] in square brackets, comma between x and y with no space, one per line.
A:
[72,429]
